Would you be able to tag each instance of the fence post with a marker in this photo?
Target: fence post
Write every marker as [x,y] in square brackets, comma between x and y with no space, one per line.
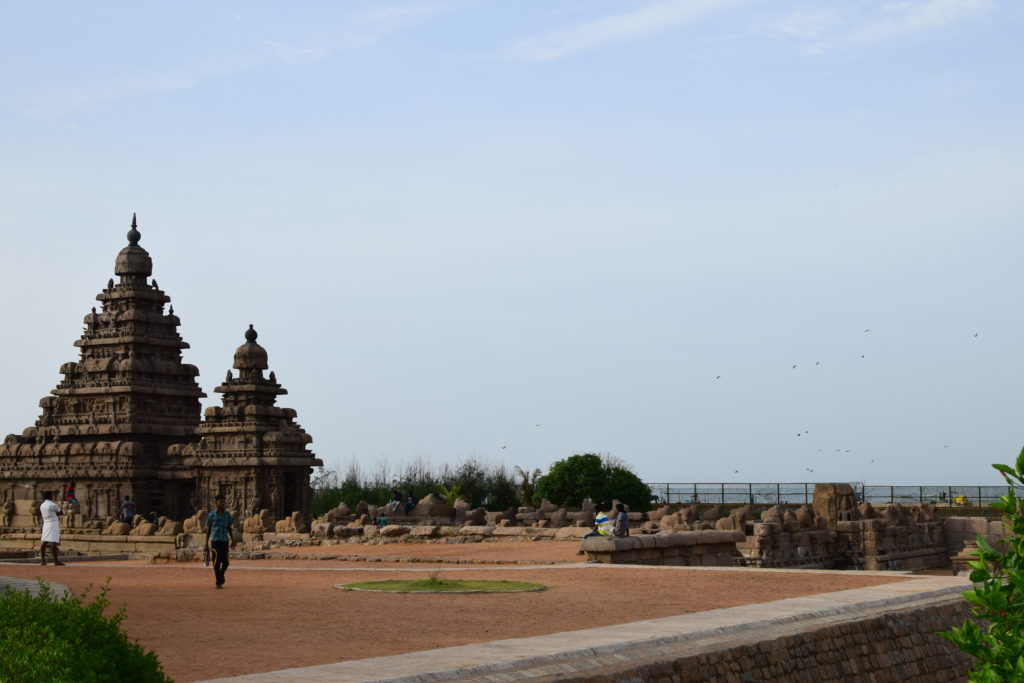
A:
[722,501]
[778,493]
[750,493]
[892,495]
[805,492]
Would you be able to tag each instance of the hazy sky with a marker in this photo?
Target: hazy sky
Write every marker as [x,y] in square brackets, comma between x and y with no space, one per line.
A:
[522,230]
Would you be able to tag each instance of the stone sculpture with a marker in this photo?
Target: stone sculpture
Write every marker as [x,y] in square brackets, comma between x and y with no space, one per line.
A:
[772,515]
[196,524]
[169,527]
[260,523]
[295,523]
[142,527]
[835,502]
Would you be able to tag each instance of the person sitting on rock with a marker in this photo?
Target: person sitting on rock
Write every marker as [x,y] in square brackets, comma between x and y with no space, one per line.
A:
[621,521]
[602,525]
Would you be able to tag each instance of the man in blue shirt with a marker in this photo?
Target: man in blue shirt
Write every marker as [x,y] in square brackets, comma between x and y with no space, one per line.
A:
[219,537]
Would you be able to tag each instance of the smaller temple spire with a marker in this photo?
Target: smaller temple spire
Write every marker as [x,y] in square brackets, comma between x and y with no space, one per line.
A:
[134,235]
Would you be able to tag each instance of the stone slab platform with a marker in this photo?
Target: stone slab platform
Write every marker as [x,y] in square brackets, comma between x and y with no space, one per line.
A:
[577,654]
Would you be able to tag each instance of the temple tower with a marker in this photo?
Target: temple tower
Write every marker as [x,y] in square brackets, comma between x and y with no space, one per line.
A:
[108,424]
[251,450]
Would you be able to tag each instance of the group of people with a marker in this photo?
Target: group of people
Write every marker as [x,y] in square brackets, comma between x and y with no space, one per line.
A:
[220,537]
[604,526]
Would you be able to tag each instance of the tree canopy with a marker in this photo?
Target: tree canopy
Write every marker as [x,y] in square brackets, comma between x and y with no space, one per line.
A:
[588,475]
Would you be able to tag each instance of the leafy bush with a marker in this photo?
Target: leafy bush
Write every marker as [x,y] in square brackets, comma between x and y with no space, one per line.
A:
[489,486]
[48,638]
[996,637]
[588,475]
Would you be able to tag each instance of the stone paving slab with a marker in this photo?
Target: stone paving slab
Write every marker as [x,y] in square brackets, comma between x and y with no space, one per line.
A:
[549,656]
[31,586]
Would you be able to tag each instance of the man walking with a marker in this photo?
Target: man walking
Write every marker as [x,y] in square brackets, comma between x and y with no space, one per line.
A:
[219,537]
[50,511]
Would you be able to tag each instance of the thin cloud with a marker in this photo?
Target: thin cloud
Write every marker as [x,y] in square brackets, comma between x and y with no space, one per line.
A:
[821,30]
[370,28]
[357,31]
[611,30]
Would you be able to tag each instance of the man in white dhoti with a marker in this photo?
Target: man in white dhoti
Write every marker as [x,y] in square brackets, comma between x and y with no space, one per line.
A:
[50,511]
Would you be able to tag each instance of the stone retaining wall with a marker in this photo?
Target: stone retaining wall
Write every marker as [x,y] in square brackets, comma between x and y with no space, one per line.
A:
[680,548]
[900,645]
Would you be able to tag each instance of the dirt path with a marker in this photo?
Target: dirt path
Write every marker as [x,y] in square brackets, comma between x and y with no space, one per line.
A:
[278,613]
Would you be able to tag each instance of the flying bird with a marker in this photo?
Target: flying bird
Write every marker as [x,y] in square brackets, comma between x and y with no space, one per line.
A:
[867,330]
[794,367]
[975,334]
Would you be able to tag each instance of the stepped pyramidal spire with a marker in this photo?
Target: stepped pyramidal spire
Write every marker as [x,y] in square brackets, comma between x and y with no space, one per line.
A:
[250,439]
[125,419]
[129,395]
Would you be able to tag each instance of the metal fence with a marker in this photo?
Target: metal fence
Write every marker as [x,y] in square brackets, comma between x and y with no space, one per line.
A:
[800,493]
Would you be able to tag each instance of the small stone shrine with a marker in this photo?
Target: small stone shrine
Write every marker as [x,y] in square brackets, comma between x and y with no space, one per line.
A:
[125,420]
[249,449]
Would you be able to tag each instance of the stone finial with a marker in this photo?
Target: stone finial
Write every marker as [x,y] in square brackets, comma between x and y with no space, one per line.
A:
[273,377]
[250,355]
[229,377]
[110,283]
[134,235]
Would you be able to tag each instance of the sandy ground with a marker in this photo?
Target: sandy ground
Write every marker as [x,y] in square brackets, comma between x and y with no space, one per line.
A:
[279,613]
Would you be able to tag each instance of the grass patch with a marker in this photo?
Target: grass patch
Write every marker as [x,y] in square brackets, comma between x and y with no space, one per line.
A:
[434,584]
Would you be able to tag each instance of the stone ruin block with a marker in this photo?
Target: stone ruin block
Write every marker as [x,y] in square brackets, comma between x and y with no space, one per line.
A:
[835,503]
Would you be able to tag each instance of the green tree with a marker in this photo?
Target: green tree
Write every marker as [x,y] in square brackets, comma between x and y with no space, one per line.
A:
[995,637]
[588,475]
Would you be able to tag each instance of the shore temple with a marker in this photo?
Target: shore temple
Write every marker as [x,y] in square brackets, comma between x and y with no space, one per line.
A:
[126,420]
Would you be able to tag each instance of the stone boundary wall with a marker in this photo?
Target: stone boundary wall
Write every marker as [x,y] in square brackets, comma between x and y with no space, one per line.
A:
[964,530]
[680,548]
[896,646]
[96,543]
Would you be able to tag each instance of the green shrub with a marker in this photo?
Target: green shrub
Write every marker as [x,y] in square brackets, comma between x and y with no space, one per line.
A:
[49,638]
[995,638]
